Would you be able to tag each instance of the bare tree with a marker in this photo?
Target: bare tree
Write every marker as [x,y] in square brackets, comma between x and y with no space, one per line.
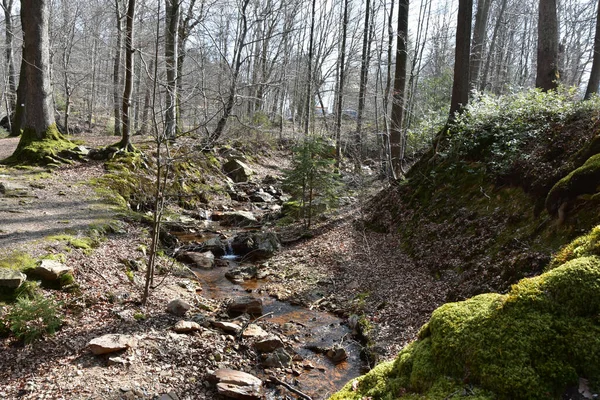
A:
[547,52]
[340,85]
[460,86]
[477,45]
[7,6]
[396,151]
[594,81]
[116,69]
[171,47]
[364,75]
[125,142]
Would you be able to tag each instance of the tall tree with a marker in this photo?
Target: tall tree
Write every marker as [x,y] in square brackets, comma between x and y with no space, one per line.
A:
[477,45]
[364,74]
[340,86]
[125,142]
[171,47]
[399,90]
[38,124]
[594,81]
[460,86]
[547,51]
[7,6]
[117,69]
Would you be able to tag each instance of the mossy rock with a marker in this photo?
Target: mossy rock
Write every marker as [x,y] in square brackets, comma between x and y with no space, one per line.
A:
[581,181]
[532,343]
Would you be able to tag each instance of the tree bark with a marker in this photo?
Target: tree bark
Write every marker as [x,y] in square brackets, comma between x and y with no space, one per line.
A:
[364,75]
[399,89]
[477,45]
[460,86]
[594,81]
[39,110]
[116,72]
[547,52]
[125,142]
[171,47]
[340,93]
[7,5]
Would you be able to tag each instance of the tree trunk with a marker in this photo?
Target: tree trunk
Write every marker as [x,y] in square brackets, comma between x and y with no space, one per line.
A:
[477,45]
[7,5]
[460,86]
[547,52]
[171,47]
[125,142]
[594,81]
[39,110]
[483,83]
[399,90]
[117,73]
[19,117]
[340,87]
[364,74]
[309,90]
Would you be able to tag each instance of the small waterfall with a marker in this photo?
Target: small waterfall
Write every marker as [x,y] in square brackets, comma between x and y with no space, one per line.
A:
[229,250]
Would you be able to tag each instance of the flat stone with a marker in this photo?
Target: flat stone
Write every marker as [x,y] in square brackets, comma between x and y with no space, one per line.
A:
[235,218]
[117,361]
[228,327]
[247,304]
[111,343]
[238,385]
[52,270]
[204,260]
[178,307]
[186,326]
[268,345]
[9,278]
[13,189]
[169,396]
[254,330]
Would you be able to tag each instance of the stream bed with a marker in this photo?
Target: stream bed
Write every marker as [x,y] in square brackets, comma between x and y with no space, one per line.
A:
[311,330]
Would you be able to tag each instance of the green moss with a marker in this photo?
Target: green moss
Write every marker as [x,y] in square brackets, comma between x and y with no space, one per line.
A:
[586,245]
[581,181]
[18,261]
[84,243]
[34,151]
[531,343]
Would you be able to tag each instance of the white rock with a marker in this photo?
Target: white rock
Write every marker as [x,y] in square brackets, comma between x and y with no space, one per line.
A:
[111,343]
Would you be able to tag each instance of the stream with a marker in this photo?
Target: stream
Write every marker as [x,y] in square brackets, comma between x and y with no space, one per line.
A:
[305,327]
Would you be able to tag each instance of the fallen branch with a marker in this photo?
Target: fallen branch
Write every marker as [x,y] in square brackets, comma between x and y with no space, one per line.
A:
[289,387]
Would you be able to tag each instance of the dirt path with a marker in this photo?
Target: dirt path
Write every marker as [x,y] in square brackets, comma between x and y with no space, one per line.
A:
[38,203]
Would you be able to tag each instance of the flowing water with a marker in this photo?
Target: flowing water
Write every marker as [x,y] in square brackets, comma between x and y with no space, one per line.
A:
[307,327]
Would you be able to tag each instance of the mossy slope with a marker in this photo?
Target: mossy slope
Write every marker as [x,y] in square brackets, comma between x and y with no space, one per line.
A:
[475,210]
[531,343]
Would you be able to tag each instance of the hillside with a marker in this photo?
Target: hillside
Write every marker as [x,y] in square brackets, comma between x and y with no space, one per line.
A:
[514,181]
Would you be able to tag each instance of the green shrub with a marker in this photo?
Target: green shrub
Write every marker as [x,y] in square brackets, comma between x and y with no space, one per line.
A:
[30,319]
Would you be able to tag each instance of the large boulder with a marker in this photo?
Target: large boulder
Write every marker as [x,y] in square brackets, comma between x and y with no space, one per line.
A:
[268,345]
[255,244]
[235,218]
[11,279]
[237,170]
[111,343]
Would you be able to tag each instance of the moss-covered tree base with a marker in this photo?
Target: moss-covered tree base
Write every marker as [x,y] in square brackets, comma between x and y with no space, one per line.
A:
[531,343]
[34,151]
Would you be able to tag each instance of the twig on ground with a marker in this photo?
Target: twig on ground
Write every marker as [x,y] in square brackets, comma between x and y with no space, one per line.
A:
[289,387]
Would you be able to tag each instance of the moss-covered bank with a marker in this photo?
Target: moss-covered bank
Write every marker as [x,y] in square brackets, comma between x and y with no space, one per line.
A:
[531,343]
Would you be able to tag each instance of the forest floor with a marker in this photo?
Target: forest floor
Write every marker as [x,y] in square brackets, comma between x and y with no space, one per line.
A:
[356,270]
